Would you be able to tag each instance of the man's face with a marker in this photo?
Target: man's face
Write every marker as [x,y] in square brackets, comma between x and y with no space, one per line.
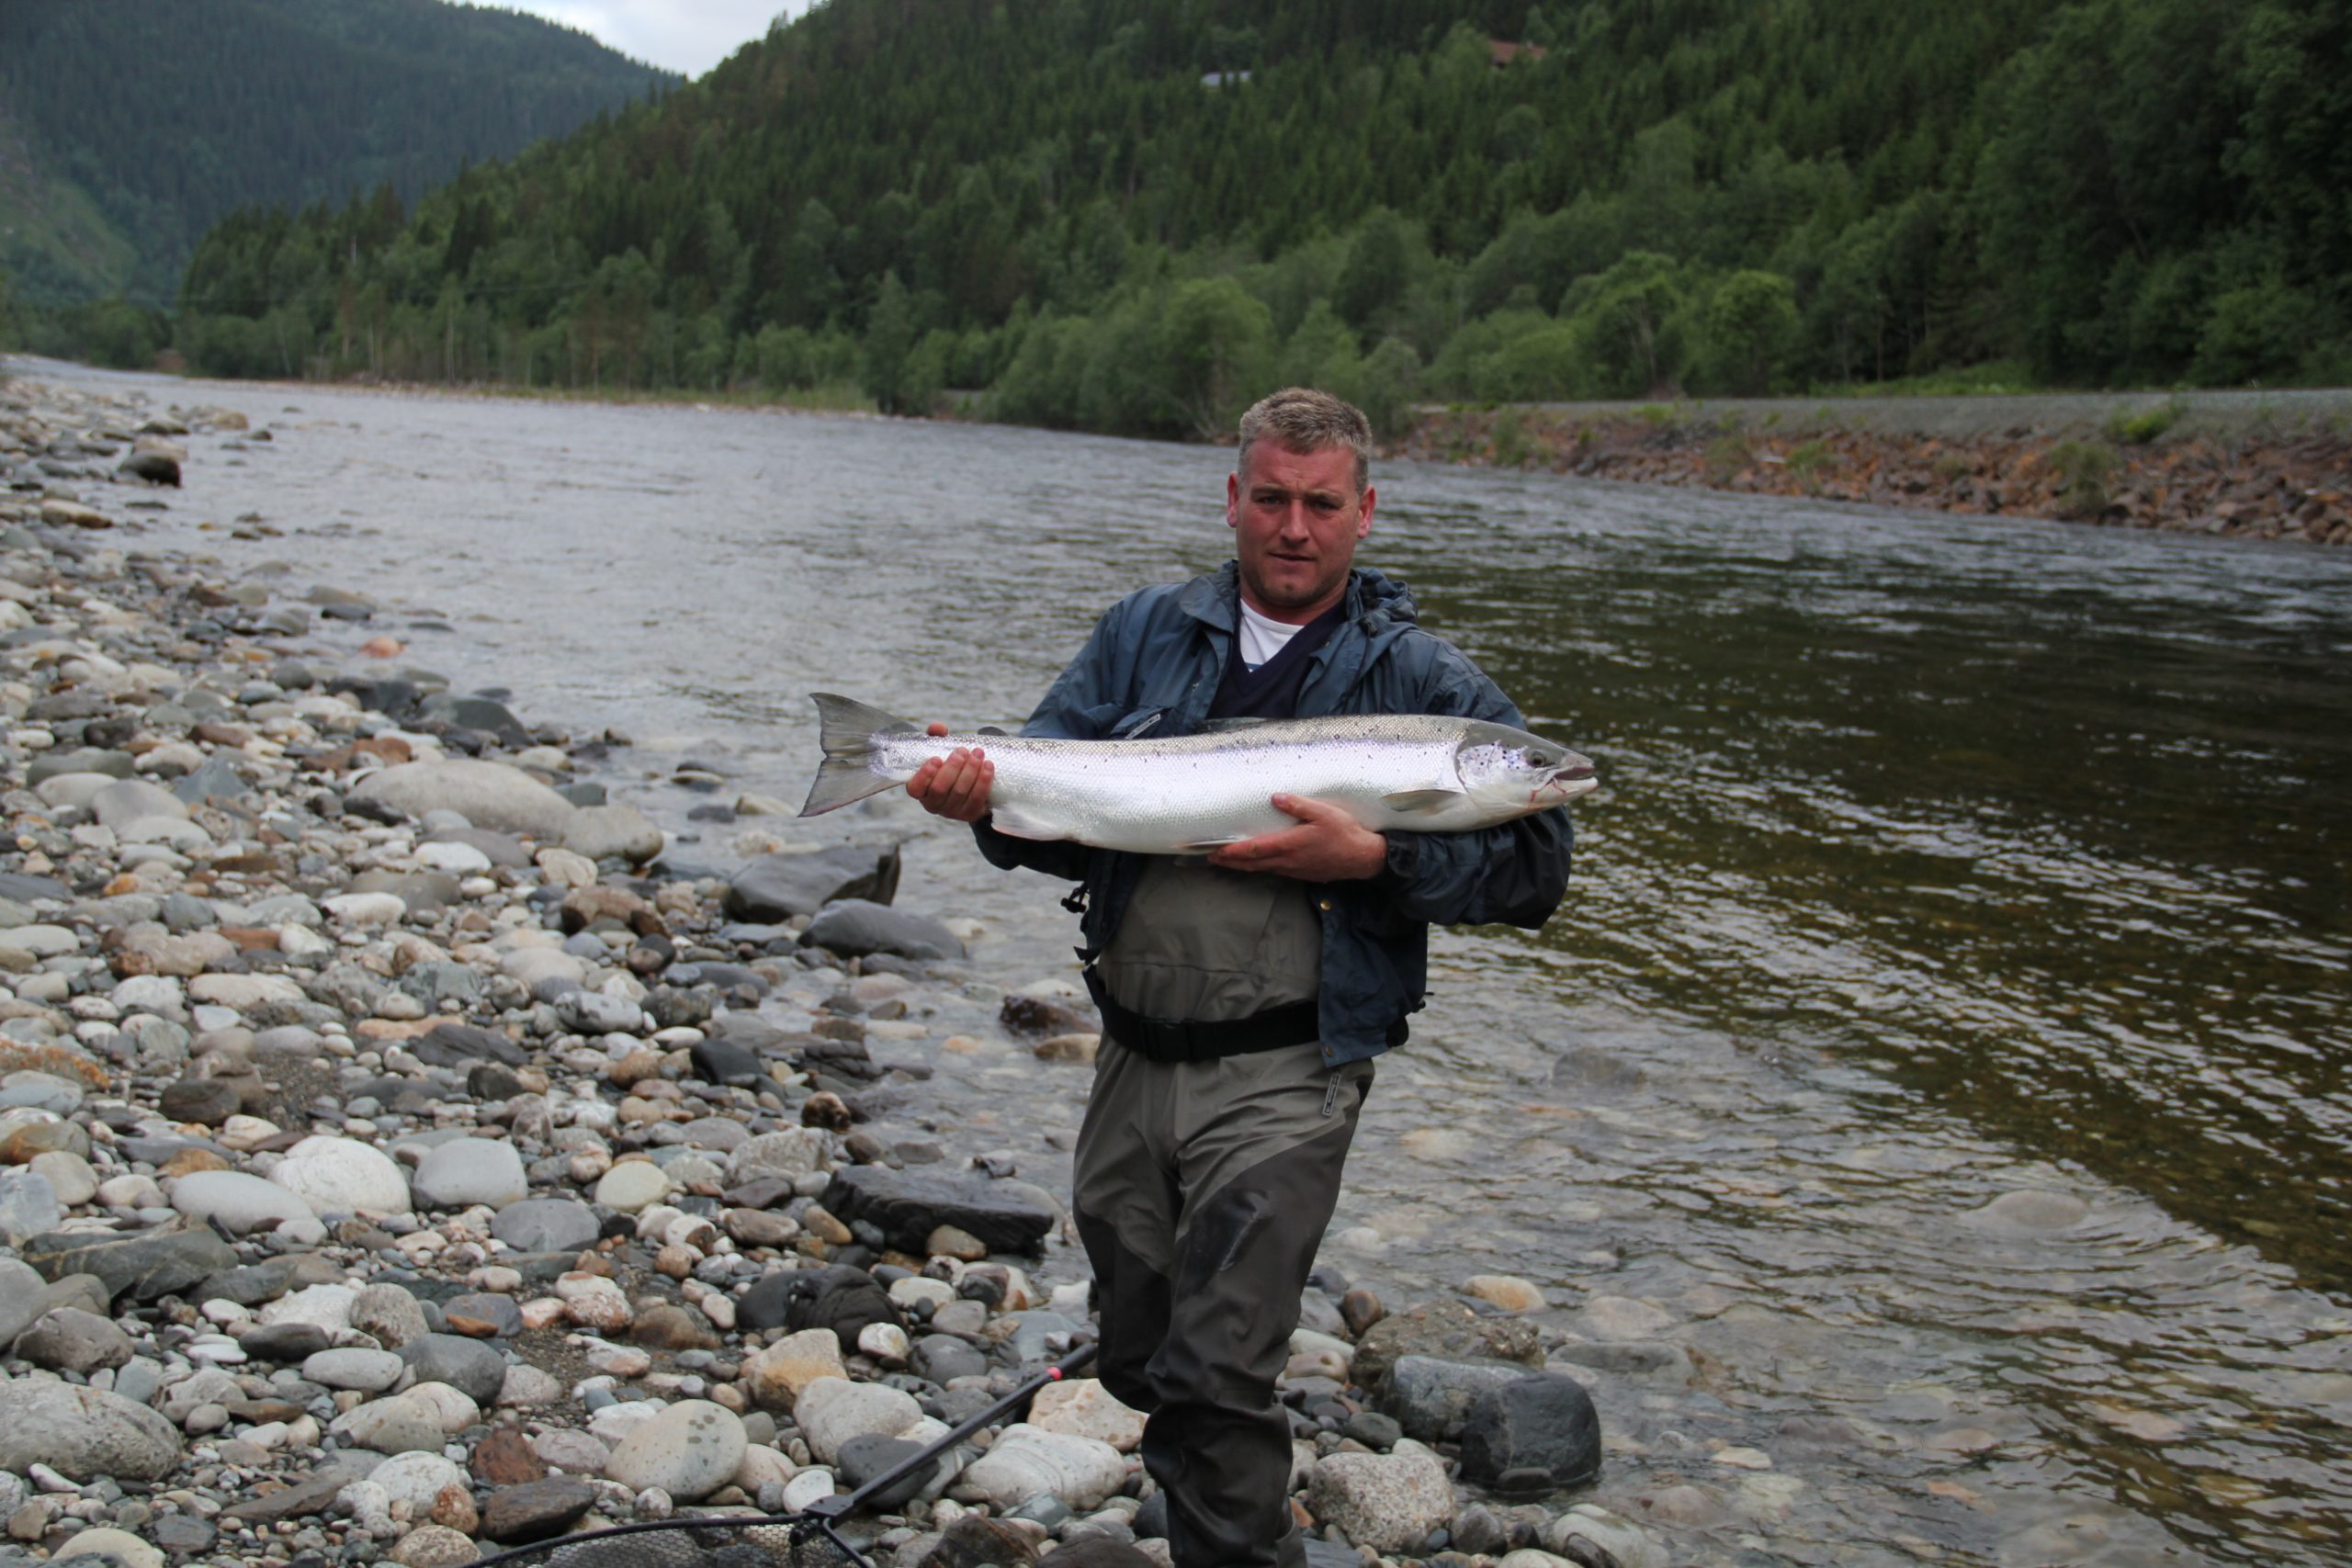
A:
[1296,517]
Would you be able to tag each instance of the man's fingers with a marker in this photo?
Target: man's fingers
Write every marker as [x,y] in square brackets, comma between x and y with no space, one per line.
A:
[1307,809]
[955,785]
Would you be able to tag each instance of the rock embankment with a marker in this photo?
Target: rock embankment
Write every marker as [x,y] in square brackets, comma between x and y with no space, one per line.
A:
[401,1161]
[2246,479]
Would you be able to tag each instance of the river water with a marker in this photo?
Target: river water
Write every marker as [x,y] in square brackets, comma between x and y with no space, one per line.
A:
[1944,1042]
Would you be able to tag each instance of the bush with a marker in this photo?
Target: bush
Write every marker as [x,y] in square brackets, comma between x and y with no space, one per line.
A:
[1539,366]
[1507,445]
[113,333]
[1392,380]
[1727,455]
[1747,333]
[2254,336]
[2137,428]
[2083,467]
[1809,462]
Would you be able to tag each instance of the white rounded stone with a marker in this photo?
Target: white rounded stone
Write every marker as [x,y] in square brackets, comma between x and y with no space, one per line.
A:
[343,1176]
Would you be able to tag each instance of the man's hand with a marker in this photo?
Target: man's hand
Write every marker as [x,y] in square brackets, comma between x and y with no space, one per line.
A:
[1327,845]
[954,787]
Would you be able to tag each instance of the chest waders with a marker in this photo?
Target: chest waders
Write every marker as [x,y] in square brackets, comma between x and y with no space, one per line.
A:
[1207,1169]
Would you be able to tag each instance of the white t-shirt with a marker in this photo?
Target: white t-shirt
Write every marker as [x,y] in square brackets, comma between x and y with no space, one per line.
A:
[1263,638]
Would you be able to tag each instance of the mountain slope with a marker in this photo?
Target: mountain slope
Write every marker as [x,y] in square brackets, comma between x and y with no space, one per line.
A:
[1123,215]
[163,118]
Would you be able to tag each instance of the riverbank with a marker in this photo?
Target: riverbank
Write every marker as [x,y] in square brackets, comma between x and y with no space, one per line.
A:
[2269,466]
[405,1153]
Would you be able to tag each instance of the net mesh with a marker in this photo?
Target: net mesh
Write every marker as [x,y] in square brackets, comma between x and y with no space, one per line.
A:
[764,1543]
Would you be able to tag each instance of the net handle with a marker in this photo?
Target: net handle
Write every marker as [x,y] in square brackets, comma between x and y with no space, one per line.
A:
[817,1516]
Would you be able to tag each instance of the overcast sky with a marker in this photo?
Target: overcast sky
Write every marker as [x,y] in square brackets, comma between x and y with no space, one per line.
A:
[687,35]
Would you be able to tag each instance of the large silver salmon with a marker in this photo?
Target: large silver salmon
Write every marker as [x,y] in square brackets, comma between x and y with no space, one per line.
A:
[1191,794]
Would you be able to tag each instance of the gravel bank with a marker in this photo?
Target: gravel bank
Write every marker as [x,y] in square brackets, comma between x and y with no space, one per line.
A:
[2260,465]
[401,1161]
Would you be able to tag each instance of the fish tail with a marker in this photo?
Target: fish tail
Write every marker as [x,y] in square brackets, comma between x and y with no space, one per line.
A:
[847,772]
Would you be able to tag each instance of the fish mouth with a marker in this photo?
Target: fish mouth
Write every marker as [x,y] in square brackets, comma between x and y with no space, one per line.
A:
[1568,784]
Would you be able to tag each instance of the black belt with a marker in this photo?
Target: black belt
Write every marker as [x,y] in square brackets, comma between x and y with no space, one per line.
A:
[1199,1040]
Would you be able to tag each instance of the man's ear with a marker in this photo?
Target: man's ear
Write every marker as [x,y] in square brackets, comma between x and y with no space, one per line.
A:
[1364,514]
[1233,500]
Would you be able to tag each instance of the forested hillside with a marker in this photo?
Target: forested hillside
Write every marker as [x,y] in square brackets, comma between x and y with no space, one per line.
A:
[129,127]
[1132,216]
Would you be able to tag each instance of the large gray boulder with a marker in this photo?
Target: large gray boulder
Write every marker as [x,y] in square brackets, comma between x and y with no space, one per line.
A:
[85,1433]
[909,1205]
[620,832]
[144,1267]
[1432,1398]
[487,794]
[776,887]
[1533,1433]
[854,928]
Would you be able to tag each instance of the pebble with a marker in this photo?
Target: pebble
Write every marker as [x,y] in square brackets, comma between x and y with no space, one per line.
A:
[1506,1290]
[1388,1502]
[466,1171]
[341,1175]
[688,1451]
[1025,1460]
[371,1371]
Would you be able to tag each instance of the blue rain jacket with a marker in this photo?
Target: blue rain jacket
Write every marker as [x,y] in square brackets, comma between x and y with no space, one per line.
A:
[1152,666]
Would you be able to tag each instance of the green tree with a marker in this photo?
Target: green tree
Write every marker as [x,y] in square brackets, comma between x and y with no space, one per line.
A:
[1748,330]
[1629,318]
[890,348]
[1392,380]
[1216,344]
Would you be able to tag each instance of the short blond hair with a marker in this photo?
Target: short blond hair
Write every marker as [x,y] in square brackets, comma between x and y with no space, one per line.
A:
[1300,419]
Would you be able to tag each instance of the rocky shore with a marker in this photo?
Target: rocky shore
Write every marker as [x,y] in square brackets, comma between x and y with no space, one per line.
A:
[402,1159]
[2136,466]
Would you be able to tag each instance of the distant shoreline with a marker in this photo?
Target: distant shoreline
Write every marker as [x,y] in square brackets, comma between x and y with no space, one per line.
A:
[2259,465]
[2252,464]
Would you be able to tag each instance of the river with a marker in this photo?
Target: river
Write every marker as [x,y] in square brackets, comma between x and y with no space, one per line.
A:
[1944,1041]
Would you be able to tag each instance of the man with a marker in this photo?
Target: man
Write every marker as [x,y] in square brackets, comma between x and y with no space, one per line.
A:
[1244,997]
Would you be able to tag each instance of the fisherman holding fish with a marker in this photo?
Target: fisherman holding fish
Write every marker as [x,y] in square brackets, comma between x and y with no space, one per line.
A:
[1245,987]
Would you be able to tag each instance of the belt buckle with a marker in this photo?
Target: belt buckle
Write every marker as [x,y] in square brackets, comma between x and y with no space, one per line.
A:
[1173,1039]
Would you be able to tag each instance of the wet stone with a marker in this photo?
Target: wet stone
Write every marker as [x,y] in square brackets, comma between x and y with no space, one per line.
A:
[545,1225]
[144,1268]
[207,1101]
[909,1206]
[537,1510]
[467,1365]
[483,1315]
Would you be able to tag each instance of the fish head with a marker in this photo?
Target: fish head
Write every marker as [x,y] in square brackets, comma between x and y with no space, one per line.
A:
[1511,773]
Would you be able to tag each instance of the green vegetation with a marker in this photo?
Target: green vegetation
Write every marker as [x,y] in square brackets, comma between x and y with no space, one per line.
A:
[1809,462]
[2137,429]
[2084,467]
[131,127]
[1510,449]
[1086,214]
[1727,455]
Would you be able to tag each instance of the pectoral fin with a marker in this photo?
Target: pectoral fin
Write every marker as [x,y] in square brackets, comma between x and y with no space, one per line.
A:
[1202,846]
[1409,801]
